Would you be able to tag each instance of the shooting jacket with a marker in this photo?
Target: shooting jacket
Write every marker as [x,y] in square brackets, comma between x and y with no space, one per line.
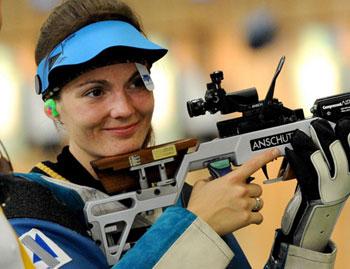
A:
[45,210]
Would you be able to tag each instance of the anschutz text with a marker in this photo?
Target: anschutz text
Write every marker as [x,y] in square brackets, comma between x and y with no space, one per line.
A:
[270,141]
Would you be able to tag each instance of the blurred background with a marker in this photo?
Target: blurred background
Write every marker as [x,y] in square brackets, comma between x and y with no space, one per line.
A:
[243,38]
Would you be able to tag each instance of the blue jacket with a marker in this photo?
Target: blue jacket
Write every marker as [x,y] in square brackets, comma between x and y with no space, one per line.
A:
[177,236]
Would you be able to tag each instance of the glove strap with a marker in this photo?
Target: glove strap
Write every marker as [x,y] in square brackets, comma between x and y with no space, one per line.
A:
[310,224]
[317,224]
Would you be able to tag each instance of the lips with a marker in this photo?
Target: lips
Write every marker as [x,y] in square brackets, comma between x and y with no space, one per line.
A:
[123,131]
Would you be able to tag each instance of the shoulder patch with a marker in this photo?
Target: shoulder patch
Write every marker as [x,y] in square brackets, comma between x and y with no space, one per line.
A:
[43,252]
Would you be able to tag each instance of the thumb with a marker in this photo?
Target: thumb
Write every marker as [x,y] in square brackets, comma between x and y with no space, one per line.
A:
[200,184]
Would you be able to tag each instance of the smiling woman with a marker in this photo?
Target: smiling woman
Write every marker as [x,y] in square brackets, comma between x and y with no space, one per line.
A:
[106,111]
[93,74]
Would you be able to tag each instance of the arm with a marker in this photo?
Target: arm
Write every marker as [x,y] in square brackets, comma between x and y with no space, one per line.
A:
[190,238]
[13,253]
[47,226]
[178,239]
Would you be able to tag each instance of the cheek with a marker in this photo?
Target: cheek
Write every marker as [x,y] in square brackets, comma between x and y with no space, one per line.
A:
[75,117]
[145,105]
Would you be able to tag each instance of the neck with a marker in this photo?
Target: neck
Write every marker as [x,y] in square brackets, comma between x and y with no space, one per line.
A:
[83,157]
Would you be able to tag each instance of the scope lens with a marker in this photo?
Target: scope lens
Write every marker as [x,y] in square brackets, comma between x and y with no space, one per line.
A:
[196,107]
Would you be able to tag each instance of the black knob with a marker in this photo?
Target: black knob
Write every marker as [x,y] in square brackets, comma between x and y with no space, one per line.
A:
[217,76]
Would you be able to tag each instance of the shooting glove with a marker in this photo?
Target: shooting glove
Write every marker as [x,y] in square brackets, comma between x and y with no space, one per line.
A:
[321,166]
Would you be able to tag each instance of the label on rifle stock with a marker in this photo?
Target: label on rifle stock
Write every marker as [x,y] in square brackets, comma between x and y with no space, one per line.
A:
[271,141]
[164,152]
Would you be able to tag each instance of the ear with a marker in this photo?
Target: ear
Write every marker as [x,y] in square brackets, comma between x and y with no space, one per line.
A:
[50,109]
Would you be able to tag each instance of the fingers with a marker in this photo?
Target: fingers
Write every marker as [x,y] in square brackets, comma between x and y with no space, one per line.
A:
[303,145]
[323,135]
[254,164]
[256,204]
[305,172]
[300,161]
[320,160]
[254,190]
[256,218]
[342,131]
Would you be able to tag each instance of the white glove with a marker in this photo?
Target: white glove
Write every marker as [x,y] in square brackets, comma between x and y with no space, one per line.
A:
[321,166]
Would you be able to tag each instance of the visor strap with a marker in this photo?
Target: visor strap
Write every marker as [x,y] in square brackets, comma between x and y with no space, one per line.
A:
[145,75]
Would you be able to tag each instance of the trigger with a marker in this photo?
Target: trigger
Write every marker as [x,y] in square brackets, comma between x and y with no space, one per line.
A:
[264,168]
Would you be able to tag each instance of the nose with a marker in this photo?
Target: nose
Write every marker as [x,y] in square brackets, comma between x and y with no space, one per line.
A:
[121,105]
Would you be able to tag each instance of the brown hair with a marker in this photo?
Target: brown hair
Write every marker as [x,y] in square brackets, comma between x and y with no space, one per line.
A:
[71,15]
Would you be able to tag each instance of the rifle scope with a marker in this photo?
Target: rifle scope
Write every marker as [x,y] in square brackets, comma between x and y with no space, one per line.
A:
[216,99]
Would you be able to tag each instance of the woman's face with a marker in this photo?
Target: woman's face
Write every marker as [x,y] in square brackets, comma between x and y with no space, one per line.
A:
[106,111]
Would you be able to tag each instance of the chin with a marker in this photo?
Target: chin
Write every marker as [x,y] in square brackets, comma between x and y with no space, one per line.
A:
[121,150]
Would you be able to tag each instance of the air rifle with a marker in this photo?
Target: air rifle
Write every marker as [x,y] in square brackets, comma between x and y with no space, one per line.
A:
[143,181]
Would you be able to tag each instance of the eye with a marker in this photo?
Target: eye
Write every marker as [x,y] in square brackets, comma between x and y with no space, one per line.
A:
[95,92]
[137,82]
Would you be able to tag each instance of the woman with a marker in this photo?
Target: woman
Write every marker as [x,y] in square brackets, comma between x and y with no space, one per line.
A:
[93,63]
[98,97]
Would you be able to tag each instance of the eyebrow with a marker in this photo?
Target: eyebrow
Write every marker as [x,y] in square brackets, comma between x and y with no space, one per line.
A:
[103,81]
[93,81]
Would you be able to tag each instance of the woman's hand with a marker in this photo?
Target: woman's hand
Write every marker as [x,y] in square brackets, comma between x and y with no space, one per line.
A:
[227,203]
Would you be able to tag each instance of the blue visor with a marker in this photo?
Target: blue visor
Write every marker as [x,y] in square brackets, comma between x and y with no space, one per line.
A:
[121,39]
